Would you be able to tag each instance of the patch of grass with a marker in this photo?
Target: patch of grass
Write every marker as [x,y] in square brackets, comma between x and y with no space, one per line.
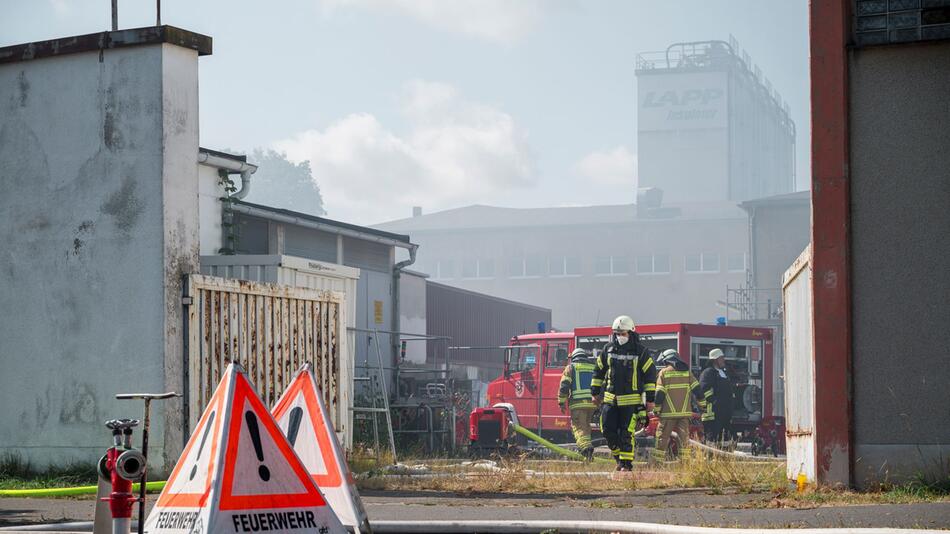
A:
[919,490]
[519,475]
[18,474]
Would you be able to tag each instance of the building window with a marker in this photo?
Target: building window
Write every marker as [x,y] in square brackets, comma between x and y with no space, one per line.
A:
[444,270]
[486,268]
[529,267]
[611,265]
[469,268]
[707,262]
[534,265]
[655,264]
[516,267]
[564,266]
[572,266]
[620,265]
[736,263]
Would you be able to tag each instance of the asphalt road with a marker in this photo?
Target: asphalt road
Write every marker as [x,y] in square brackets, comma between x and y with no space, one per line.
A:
[685,507]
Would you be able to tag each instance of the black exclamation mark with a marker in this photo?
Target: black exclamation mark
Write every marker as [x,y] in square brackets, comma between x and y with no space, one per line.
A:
[296,414]
[201,447]
[256,440]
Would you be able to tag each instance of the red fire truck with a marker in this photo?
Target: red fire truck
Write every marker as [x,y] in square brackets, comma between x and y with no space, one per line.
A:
[534,362]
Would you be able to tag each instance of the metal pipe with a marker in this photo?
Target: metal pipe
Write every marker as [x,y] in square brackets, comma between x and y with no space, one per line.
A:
[233,167]
[394,341]
[115,15]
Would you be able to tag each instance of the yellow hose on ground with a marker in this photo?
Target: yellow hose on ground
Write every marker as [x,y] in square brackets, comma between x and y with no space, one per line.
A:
[560,450]
[72,492]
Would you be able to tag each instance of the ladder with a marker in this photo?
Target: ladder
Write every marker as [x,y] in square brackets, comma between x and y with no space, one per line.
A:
[380,395]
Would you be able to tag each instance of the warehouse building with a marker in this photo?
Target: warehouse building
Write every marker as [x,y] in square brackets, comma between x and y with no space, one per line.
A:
[665,263]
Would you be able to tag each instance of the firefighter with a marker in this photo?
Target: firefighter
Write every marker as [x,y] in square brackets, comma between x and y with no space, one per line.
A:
[675,386]
[624,384]
[575,392]
[717,392]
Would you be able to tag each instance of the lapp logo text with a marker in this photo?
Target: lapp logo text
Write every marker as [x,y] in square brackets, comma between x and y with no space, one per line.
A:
[689,97]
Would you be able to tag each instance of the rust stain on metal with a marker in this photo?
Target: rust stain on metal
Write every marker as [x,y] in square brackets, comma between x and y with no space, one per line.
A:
[798,433]
[270,330]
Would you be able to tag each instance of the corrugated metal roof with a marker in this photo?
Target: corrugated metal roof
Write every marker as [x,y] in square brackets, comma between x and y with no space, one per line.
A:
[262,211]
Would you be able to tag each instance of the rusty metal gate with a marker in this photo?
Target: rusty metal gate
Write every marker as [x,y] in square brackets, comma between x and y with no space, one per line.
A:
[271,330]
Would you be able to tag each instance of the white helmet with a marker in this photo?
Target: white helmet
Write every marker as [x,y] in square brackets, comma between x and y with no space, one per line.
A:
[624,324]
[715,354]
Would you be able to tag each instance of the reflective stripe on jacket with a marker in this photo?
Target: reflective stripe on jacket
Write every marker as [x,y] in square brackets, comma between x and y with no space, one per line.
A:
[625,374]
[674,387]
[575,385]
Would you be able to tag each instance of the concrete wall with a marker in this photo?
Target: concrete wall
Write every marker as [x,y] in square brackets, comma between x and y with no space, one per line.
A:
[98,221]
[209,208]
[900,194]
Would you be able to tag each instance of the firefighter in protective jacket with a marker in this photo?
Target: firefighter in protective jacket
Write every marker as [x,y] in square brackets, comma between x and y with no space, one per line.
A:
[575,392]
[625,383]
[675,387]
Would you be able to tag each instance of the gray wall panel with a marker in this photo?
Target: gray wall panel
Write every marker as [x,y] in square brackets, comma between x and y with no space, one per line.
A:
[900,195]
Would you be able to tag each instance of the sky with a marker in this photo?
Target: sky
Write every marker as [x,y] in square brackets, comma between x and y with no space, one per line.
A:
[443,103]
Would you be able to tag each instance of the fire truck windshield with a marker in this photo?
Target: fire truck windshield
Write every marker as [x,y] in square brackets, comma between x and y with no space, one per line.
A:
[521,358]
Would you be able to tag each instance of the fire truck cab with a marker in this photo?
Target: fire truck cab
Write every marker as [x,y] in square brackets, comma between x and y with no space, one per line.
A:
[534,363]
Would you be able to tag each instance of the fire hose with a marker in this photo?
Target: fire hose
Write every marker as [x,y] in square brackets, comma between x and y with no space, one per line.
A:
[558,449]
[70,492]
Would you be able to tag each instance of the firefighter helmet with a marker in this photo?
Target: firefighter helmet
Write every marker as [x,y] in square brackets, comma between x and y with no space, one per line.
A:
[624,324]
[668,357]
[579,355]
[716,354]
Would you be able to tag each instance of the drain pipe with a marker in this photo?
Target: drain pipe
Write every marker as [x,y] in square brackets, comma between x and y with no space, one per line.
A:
[232,166]
[397,271]
[226,167]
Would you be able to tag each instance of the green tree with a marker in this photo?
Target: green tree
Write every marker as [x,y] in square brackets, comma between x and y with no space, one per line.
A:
[280,183]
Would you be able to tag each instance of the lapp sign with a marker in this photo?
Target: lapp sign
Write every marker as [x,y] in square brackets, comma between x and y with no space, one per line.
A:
[688,105]
[682,102]
[689,97]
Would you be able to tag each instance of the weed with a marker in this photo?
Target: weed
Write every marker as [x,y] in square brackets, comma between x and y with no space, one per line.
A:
[15,473]
[520,475]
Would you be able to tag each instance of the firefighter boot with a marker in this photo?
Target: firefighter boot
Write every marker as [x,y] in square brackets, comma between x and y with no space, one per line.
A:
[619,463]
[626,465]
[588,454]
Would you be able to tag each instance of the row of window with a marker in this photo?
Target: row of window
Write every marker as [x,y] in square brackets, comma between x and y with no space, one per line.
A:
[535,266]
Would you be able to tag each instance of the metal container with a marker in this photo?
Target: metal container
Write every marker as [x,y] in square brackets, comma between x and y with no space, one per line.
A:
[298,272]
[799,368]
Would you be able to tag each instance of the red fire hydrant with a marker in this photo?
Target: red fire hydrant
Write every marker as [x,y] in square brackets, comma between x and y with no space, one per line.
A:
[121,465]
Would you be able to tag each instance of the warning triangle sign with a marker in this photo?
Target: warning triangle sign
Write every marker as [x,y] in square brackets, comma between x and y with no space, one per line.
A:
[302,414]
[238,473]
